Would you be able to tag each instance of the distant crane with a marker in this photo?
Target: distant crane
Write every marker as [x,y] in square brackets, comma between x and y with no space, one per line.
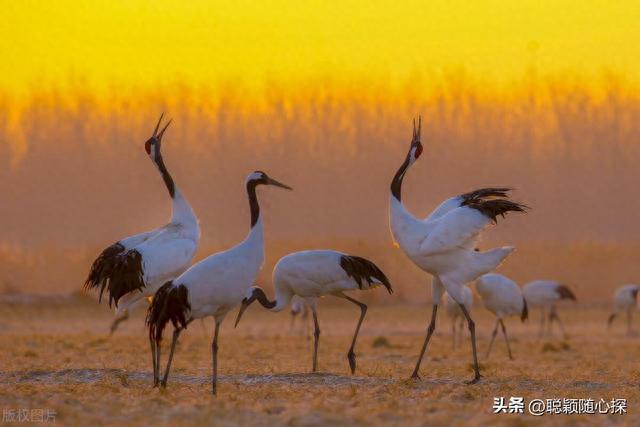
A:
[545,294]
[211,287]
[133,268]
[314,274]
[444,243]
[501,296]
[455,314]
[625,300]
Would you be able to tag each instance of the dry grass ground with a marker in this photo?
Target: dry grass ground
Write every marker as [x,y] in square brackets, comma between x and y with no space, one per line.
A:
[58,355]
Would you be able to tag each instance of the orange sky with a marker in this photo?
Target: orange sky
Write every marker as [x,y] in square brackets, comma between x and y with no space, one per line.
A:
[249,43]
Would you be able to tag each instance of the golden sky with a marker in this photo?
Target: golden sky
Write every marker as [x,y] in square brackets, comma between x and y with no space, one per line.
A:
[248,43]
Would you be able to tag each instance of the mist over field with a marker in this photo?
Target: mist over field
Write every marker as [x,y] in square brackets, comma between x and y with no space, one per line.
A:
[75,176]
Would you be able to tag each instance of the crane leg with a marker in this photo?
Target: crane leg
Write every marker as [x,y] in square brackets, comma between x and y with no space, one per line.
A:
[157,378]
[118,320]
[351,356]
[493,337]
[554,316]
[453,333]
[214,359]
[472,331]
[305,320]
[550,323]
[611,319]
[156,374]
[629,332]
[430,329]
[316,338]
[176,334]
[506,338]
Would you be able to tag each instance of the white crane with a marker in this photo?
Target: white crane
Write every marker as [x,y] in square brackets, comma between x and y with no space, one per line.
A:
[455,314]
[545,294]
[211,287]
[625,300]
[314,274]
[501,296]
[443,244]
[133,268]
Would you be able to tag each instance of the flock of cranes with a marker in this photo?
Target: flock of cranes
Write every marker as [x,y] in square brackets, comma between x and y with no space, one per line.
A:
[156,266]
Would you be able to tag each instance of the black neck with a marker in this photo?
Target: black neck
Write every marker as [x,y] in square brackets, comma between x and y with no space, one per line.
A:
[396,184]
[253,202]
[262,299]
[166,176]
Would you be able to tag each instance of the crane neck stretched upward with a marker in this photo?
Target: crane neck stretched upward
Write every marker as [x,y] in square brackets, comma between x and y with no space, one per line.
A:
[396,183]
[182,213]
[166,176]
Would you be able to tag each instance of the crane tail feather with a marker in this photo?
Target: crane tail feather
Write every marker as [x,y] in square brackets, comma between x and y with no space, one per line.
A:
[116,271]
[362,270]
[169,304]
[525,311]
[566,293]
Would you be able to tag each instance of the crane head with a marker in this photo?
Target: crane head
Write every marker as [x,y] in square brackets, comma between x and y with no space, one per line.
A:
[415,149]
[152,146]
[261,178]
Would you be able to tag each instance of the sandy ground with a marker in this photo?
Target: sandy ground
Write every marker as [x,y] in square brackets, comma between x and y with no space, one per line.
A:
[57,355]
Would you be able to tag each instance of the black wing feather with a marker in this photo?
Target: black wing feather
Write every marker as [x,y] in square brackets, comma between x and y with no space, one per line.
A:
[361,270]
[117,271]
[170,303]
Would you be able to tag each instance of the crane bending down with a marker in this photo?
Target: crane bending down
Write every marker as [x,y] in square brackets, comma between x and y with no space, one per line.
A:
[545,294]
[501,296]
[133,268]
[314,274]
[211,287]
[444,243]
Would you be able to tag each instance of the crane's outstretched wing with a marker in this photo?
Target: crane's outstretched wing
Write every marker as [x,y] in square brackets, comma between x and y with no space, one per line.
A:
[458,201]
[461,227]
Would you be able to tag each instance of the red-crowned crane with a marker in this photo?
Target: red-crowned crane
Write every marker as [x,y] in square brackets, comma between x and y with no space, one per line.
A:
[501,296]
[545,294]
[316,273]
[444,243]
[132,269]
[211,287]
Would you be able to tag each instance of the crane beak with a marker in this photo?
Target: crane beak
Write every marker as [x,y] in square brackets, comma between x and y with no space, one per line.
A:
[163,129]
[155,131]
[271,181]
[245,303]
